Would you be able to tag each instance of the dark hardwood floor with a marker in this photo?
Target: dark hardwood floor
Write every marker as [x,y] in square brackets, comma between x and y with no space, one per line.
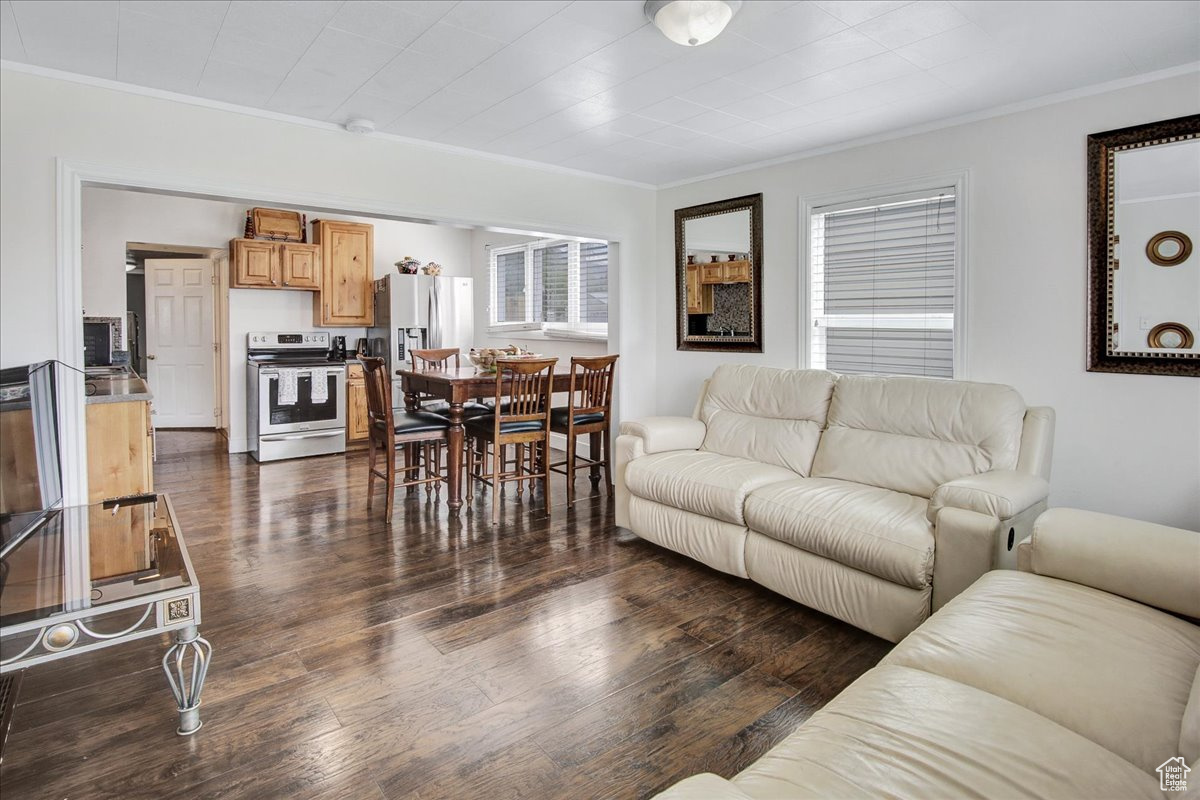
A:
[429,659]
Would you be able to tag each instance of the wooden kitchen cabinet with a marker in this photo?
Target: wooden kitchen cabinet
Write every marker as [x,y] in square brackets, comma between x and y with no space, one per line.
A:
[699,297]
[712,273]
[300,266]
[347,294]
[254,264]
[357,424]
[120,445]
[258,264]
[737,271]
[725,272]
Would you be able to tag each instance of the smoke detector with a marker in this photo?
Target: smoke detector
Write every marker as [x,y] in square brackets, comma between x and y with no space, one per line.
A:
[360,125]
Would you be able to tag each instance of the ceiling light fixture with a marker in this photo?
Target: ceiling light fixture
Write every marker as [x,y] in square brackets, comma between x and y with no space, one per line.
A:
[360,126]
[691,22]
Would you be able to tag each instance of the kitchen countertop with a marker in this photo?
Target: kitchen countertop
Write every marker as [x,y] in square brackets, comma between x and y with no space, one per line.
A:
[124,387]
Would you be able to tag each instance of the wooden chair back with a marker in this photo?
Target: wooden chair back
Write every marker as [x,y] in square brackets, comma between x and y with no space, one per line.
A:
[435,359]
[530,385]
[381,421]
[591,385]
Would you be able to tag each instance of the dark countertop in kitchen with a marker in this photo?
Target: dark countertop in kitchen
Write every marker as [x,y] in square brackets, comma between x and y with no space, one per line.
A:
[115,386]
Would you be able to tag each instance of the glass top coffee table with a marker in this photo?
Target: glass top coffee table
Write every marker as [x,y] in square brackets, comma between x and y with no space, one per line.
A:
[99,575]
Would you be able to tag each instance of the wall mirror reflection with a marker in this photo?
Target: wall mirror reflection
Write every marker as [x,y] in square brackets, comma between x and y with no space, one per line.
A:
[718,255]
[1144,218]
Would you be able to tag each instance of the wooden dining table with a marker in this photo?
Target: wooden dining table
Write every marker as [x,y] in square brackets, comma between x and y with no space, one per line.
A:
[457,386]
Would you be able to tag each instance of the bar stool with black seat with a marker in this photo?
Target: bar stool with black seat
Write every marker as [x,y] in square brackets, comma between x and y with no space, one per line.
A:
[442,358]
[522,421]
[420,433]
[588,413]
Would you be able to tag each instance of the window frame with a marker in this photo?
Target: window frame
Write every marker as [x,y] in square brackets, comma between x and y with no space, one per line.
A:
[868,195]
[572,328]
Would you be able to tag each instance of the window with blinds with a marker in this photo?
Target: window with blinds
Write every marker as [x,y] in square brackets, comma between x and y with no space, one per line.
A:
[883,285]
[560,287]
[551,278]
[508,277]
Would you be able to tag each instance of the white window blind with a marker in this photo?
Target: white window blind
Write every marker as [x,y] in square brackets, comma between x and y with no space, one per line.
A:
[593,283]
[508,277]
[557,286]
[883,285]
[551,278]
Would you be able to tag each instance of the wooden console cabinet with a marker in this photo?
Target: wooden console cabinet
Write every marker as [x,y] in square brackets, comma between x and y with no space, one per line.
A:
[120,445]
[258,264]
[347,295]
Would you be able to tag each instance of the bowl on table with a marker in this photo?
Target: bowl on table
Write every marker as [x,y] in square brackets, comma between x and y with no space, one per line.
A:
[484,358]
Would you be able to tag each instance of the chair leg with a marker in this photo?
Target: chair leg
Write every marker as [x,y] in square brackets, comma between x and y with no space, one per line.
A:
[370,473]
[497,467]
[391,485]
[468,480]
[606,446]
[570,468]
[519,469]
[594,452]
[546,474]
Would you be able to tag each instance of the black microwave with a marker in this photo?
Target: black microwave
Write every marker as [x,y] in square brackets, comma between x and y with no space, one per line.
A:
[97,344]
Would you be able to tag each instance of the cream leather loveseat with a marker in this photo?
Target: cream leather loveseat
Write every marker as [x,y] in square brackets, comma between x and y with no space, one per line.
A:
[1071,678]
[875,500]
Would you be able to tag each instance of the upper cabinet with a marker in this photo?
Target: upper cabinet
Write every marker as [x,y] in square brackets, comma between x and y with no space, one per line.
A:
[259,264]
[347,259]
[300,266]
[254,264]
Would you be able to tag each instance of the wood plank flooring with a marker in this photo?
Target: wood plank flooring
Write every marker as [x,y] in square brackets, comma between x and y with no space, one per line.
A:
[434,658]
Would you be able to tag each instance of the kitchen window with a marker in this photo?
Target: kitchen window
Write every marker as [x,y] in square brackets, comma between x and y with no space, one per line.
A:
[557,287]
[884,285]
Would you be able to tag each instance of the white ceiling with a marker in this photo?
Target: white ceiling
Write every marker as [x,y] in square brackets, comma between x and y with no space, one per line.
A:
[591,85]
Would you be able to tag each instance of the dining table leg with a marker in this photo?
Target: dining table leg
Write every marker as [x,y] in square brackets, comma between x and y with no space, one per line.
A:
[454,458]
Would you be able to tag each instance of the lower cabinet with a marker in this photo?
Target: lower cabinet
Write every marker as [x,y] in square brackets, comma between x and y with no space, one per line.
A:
[120,444]
[356,405]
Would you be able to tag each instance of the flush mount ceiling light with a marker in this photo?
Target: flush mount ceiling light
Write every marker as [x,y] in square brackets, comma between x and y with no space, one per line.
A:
[691,22]
[360,126]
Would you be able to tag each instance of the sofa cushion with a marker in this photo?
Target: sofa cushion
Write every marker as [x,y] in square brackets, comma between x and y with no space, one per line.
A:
[914,434]
[875,530]
[1112,670]
[899,732]
[774,416]
[701,482]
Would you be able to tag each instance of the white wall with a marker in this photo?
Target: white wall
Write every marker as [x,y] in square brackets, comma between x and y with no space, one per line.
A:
[44,119]
[1127,444]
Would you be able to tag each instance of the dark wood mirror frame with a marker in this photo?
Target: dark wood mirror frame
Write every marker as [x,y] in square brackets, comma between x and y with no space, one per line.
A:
[1101,152]
[753,203]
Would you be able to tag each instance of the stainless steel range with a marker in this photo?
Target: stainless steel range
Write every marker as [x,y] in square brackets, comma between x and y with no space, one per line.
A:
[296,396]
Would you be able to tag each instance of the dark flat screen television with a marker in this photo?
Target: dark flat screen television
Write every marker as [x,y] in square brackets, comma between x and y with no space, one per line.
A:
[30,457]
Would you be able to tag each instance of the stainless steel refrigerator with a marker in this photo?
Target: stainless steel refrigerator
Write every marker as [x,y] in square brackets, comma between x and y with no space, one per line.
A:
[421,311]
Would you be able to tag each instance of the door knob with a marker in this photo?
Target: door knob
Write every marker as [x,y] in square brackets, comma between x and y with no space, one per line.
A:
[151,357]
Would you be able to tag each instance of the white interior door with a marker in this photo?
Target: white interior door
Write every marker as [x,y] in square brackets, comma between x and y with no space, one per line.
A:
[179,341]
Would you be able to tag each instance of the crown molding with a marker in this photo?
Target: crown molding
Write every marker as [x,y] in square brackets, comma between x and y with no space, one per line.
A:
[800,155]
[951,122]
[233,108]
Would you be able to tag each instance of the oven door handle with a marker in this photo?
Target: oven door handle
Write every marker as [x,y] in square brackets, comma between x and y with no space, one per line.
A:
[291,437]
[299,372]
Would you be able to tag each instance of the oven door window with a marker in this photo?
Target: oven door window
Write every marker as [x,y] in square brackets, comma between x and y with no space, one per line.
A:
[304,409]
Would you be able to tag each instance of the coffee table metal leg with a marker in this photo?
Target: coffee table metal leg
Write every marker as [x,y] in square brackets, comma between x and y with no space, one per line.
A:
[187,688]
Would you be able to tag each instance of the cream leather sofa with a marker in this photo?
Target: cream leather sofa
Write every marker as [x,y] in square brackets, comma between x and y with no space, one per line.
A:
[875,500]
[1071,678]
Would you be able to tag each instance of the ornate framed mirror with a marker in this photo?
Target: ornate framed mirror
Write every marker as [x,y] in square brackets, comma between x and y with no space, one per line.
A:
[718,276]
[1144,277]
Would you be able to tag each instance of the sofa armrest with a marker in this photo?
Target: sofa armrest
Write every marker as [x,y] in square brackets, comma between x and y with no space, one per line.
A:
[1001,493]
[705,786]
[660,434]
[1152,564]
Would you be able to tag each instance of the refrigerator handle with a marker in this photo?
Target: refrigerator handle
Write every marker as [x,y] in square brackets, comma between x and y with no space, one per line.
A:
[435,321]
